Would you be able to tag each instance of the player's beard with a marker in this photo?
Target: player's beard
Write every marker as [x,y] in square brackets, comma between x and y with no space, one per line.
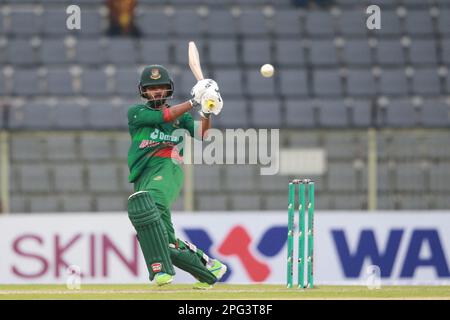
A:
[157,103]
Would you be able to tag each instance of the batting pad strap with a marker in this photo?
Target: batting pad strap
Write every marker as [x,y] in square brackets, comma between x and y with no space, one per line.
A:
[153,239]
[188,261]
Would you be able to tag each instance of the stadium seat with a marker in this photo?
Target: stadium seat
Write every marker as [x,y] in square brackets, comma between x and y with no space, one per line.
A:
[18,203]
[353,22]
[327,83]
[95,147]
[26,82]
[360,83]
[293,82]
[361,113]
[393,82]
[187,22]
[350,202]
[252,22]
[433,142]
[287,22]
[400,113]
[54,22]
[256,52]
[34,177]
[400,147]
[76,203]
[391,25]
[26,147]
[210,177]
[44,204]
[30,116]
[19,28]
[446,50]
[323,53]
[104,115]
[20,52]
[92,25]
[319,23]
[94,82]
[154,51]
[68,116]
[332,114]
[384,178]
[212,202]
[423,52]
[221,23]
[357,53]
[230,82]
[53,51]
[337,173]
[426,82]
[154,23]
[234,115]
[439,177]
[258,86]
[61,147]
[266,113]
[435,113]
[444,21]
[413,202]
[89,51]
[418,23]
[300,114]
[110,203]
[223,52]
[275,201]
[240,178]
[410,177]
[59,82]
[390,52]
[68,177]
[121,52]
[289,52]
[185,82]
[126,82]
[102,177]
[343,146]
[272,184]
[245,202]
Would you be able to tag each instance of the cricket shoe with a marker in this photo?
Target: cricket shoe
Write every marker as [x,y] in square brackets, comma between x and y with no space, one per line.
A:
[218,269]
[162,278]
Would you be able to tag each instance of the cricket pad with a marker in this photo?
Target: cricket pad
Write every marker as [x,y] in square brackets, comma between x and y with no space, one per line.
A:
[188,261]
[151,233]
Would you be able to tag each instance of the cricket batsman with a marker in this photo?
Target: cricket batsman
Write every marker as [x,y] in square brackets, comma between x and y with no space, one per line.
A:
[155,170]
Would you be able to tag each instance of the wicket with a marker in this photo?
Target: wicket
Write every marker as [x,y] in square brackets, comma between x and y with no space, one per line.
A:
[301,234]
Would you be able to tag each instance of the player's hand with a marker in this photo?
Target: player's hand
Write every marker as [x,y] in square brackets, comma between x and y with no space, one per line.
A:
[211,101]
[200,87]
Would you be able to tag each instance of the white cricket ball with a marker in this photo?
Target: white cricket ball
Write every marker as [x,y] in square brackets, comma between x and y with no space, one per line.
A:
[267,70]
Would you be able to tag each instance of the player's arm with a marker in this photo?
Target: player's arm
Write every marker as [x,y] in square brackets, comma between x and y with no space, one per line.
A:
[146,117]
[205,124]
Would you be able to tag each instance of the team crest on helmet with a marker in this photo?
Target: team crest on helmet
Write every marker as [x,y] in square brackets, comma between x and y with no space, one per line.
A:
[155,75]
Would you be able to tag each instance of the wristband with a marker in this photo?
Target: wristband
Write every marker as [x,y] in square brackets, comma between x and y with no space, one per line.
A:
[204,115]
[194,104]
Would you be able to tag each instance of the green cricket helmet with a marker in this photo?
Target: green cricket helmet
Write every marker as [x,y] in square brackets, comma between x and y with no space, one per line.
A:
[155,75]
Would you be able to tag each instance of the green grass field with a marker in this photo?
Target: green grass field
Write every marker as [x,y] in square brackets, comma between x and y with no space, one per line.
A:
[220,291]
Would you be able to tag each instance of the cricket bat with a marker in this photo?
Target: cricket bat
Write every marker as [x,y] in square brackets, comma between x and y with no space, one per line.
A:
[196,68]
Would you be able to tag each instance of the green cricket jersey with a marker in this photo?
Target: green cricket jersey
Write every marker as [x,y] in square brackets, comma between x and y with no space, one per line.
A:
[152,135]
